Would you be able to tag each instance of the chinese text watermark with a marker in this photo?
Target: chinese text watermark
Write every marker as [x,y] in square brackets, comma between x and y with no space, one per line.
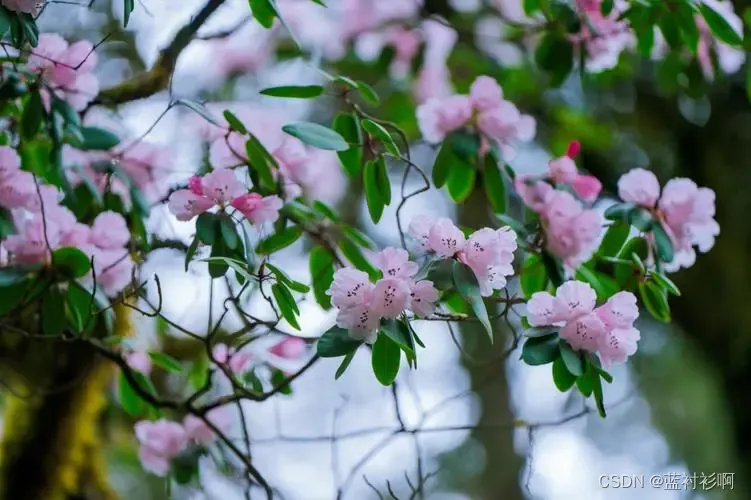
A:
[670,481]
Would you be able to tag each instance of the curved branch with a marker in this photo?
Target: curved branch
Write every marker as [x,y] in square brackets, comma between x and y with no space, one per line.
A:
[158,77]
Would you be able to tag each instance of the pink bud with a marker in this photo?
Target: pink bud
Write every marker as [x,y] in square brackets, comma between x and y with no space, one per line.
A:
[573,149]
[289,348]
[587,187]
[195,185]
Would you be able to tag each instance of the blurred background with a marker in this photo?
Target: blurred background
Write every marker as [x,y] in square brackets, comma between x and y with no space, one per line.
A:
[468,424]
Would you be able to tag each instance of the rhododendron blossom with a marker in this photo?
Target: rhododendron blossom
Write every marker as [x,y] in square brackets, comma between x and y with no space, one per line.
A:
[198,431]
[607,330]
[499,121]
[160,441]
[237,361]
[362,304]
[685,211]
[604,38]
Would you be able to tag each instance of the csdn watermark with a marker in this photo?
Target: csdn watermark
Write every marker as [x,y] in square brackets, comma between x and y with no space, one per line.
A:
[669,481]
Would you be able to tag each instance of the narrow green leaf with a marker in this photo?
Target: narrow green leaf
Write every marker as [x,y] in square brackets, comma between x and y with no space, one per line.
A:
[368,93]
[572,359]
[619,211]
[128,7]
[461,182]
[466,284]
[239,267]
[399,333]
[655,301]
[317,136]
[614,238]
[191,252]
[199,109]
[279,241]
[663,244]
[263,12]
[345,364]
[383,181]
[371,186]
[641,219]
[234,122]
[495,186]
[533,276]
[625,273]
[33,114]
[295,91]
[347,125]
[353,254]
[229,232]
[720,26]
[166,362]
[385,359]
[260,161]
[97,139]
[286,303]
[377,131]
[321,275]
[665,283]
[541,350]
[562,378]
[336,342]
[284,278]
[206,228]
[445,162]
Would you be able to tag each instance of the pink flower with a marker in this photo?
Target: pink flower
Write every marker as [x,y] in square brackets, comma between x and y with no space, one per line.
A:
[561,207]
[395,263]
[222,186]
[139,361]
[639,186]
[485,93]
[195,185]
[439,117]
[76,235]
[575,299]
[584,333]
[113,268]
[534,194]
[445,239]
[25,6]
[185,204]
[542,309]
[18,190]
[423,298]
[10,162]
[148,165]
[289,348]
[109,231]
[390,297]
[505,125]
[33,242]
[361,321]
[433,82]
[237,361]
[617,345]
[312,172]
[350,287]
[587,187]
[489,253]
[258,209]
[198,431]
[729,59]
[619,312]
[160,441]
[563,170]
[419,229]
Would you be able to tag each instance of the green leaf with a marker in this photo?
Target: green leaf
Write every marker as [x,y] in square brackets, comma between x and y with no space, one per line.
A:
[562,378]
[684,16]
[385,359]
[191,252]
[442,275]
[625,273]
[445,162]
[377,131]
[263,12]
[166,362]
[321,275]
[33,114]
[296,91]
[359,237]
[317,136]
[336,342]
[663,244]
[555,55]
[495,186]
[97,139]
[619,211]
[5,20]
[199,109]
[641,219]
[218,265]
[643,25]
[614,238]
[287,305]
[373,196]
[533,276]
[465,145]
[466,284]
[279,241]
[261,161]
[604,285]
[229,233]
[655,301]
[53,312]
[240,268]
[461,182]
[129,397]
[206,228]
[282,277]
[355,256]
[399,332]
[347,125]
[128,7]
[6,223]
[11,295]
[234,122]
[345,364]
[541,350]
[665,283]
[720,26]
[554,268]
[79,303]
[367,92]
[71,262]
[594,376]
[383,181]
[572,359]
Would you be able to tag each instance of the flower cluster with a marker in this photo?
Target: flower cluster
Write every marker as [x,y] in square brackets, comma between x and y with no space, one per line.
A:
[488,252]
[222,188]
[362,304]
[163,440]
[66,70]
[603,37]
[498,120]
[607,330]
[685,211]
[44,226]
[571,230]
[24,6]
[729,58]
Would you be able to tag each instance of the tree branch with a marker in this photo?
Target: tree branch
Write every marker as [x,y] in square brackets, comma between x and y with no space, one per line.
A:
[158,77]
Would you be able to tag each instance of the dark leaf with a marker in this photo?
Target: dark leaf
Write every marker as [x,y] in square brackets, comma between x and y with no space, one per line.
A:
[461,182]
[533,276]
[71,262]
[300,92]
[53,312]
[345,364]
[234,122]
[347,125]
[663,244]
[166,362]
[562,378]
[541,350]
[263,12]
[377,131]
[655,301]
[287,305]
[321,274]
[317,136]
[206,228]
[97,139]
[466,284]
[495,186]
[720,26]
[572,359]
[336,342]
[385,359]
[33,114]
[279,241]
